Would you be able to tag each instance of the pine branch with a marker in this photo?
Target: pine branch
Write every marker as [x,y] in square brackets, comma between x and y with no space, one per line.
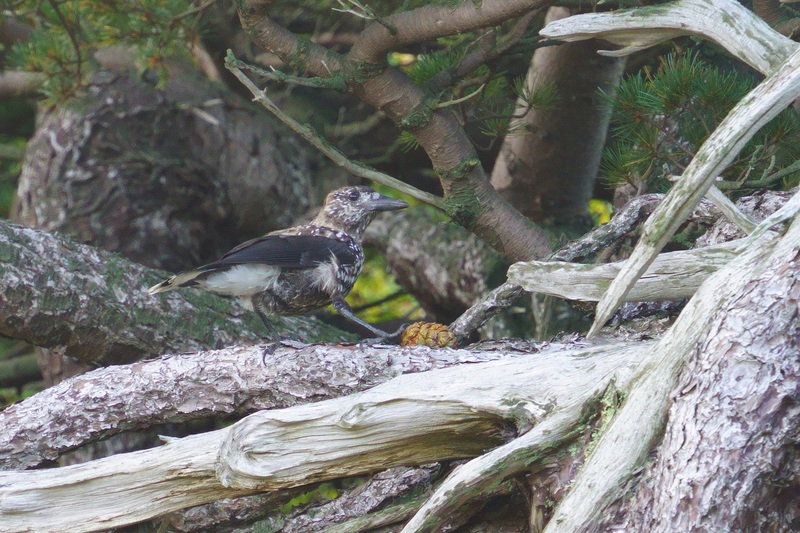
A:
[469,198]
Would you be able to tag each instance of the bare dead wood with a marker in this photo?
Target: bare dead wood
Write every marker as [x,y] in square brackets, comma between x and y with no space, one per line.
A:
[771,52]
[383,498]
[672,276]
[488,306]
[412,419]
[625,445]
[721,21]
[93,306]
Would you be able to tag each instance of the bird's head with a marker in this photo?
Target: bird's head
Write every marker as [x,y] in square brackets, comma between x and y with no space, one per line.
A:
[351,209]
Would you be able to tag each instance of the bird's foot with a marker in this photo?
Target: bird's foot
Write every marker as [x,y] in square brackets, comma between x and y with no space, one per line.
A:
[273,344]
[383,337]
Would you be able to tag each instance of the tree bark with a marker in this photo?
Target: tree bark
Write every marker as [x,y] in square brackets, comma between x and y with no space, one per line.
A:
[171,178]
[184,387]
[729,459]
[638,427]
[445,267]
[412,419]
[469,197]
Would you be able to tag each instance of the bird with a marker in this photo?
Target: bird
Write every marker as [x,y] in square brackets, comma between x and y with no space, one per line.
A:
[300,269]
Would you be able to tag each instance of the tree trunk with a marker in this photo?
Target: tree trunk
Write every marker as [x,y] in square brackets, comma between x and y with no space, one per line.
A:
[169,178]
[548,170]
[729,460]
[444,266]
[99,311]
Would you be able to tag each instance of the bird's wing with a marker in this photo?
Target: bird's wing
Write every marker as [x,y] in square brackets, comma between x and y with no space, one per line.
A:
[286,251]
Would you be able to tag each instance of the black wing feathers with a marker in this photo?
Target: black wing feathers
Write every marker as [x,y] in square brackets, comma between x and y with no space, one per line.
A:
[286,251]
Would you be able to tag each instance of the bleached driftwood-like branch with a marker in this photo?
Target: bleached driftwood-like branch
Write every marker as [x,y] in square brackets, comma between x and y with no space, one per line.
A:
[762,47]
[671,276]
[729,24]
[412,419]
[624,446]
[733,426]
[760,106]
[183,387]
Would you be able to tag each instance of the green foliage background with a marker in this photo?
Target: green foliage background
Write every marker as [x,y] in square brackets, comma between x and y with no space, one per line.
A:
[661,118]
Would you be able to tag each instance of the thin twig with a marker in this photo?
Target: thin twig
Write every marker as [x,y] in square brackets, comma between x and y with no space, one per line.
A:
[355,168]
[72,38]
[193,10]
[335,83]
[462,99]
[365,13]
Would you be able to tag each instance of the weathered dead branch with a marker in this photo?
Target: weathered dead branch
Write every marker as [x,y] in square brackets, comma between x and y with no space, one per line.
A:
[412,419]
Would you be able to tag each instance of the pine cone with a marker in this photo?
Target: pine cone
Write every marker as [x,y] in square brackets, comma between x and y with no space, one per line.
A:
[428,334]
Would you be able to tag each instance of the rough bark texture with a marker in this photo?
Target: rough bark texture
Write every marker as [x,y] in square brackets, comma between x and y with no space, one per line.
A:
[183,387]
[547,170]
[759,206]
[729,459]
[168,178]
[93,305]
[385,498]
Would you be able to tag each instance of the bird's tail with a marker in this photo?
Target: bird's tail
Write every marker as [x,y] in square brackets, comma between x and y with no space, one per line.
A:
[184,279]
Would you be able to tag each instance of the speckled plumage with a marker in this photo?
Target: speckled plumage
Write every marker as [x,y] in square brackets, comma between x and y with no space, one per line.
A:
[299,269]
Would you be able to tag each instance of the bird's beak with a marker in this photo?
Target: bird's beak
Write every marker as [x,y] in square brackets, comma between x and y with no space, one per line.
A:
[384,203]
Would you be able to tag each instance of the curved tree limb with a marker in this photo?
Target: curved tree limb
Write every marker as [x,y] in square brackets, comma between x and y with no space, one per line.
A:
[721,21]
[746,118]
[469,197]
[479,474]
[765,49]
[737,397]
[434,21]
[357,169]
[624,447]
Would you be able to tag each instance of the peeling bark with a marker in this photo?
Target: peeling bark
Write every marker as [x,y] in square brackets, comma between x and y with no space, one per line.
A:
[412,419]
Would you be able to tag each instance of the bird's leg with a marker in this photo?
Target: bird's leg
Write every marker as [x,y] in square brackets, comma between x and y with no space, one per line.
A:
[272,333]
[343,309]
[273,336]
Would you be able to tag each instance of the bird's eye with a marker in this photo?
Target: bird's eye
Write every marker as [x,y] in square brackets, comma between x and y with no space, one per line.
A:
[354,196]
